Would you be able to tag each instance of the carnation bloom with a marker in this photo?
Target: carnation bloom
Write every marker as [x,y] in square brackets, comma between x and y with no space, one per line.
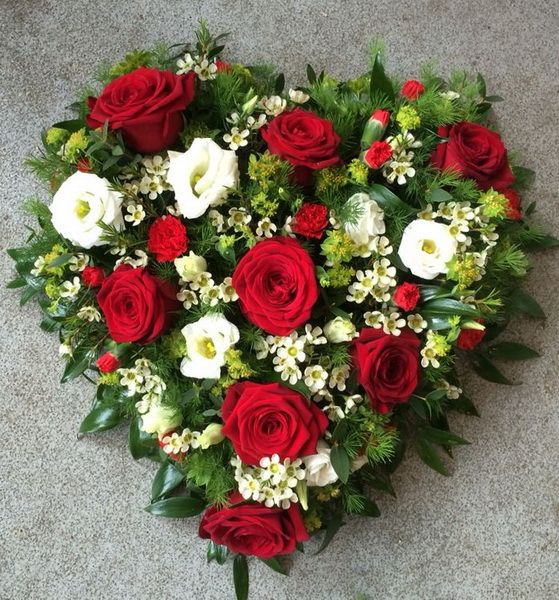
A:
[167,238]
[377,154]
[108,362]
[513,210]
[311,220]
[406,296]
[412,89]
[469,338]
[93,277]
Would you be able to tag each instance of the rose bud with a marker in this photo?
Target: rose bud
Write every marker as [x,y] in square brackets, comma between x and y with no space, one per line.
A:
[377,154]
[375,127]
[412,89]
[107,363]
[406,296]
[93,277]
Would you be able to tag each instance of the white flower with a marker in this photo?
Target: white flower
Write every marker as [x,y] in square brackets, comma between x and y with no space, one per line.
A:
[392,323]
[210,436]
[141,260]
[319,469]
[450,95]
[426,248]
[288,370]
[265,228]
[207,340]
[254,124]
[156,165]
[292,349]
[185,64]
[398,170]
[374,319]
[206,70]
[356,293]
[81,202]
[249,487]
[417,323]
[131,379]
[203,282]
[217,220]
[315,378]
[136,214]
[228,293]
[160,419]
[236,139]
[202,176]
[313,335]
[78,262]
[38,265]
[261,348]
[370,219]
[189,266]
[188,298]
[272,469]
[238,217]
[339,330]
[381,245]
[384,273]
[452,392]
[338,378]
[427,213]
[401,142]
[65,350]
[70,289]
[298,96]
[89,313]
[152,186]
[211,295]
[274,105]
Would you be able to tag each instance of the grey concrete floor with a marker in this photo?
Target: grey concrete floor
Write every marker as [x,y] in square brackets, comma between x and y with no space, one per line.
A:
[71,518]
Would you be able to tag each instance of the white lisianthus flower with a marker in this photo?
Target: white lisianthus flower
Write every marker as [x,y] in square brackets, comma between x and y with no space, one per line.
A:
[202,176]
[81,202]
[370,219]
[207,340]
[339,330]
[319,469]
[189,266]
[160,419]
[426,248]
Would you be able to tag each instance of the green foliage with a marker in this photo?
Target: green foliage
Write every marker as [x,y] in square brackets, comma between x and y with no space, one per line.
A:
[211,468]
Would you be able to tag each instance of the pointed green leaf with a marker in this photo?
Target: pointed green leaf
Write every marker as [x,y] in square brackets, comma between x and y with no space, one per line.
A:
[167,478]
[511,351]
[521,301]
[180,507]
[341,463]
[78,363]
[332,527]
[464,405]
[430,457]
[140,443]
[371,509]
[101,418]
[275,564]
[240,576]
[439,195]
[311,75]
[441,437]
[380,83]
[487,370]
[217,552]
[448,307]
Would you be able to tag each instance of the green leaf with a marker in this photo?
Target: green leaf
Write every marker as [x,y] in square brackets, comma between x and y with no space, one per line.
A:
[387,199]
[520,301]
[482,88]
[78,363]
[101,418]
[371,509]
[340,431]
[487,370]
[72,125]
[217,552]
[380,481]
[340,461]
[275,564]
[60,260]
[167,478]
[48,324]
[464,405]
[448,307]
[380,83]
[428,292]
[419,407]
[18,282]
[545,241]
[437,323]
[26,295]
[279,84]
[311,75]
[332,527]
[511,351]
[140,443]
[430,457]
[240,576]
[180,507]
[435,395]
[441,437]
[439,195]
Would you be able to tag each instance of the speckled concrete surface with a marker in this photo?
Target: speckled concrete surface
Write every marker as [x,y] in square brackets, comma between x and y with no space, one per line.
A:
[71,518]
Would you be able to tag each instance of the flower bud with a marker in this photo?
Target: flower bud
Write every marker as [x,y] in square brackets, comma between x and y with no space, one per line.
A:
[160,419]
[189,266]
[211,435]
[339,330]
[375,127]
[249,105]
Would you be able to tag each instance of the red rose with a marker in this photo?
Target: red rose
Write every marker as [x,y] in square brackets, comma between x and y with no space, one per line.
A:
[412,89]
[310,220]
[93,277]
[252,528]
[167,238]
[387,366]
[377,154]
[137,305]
[262,419]
[276,284]
[146,105]
[406,296]
[107,363]
[83,165]
[469,338]
[475,152]
[514,210]
[303,139]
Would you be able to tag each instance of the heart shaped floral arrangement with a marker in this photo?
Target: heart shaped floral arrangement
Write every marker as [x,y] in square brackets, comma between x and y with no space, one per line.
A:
[273,288]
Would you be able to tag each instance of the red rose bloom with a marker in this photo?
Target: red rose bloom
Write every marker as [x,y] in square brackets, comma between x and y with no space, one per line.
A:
[276,284]
[406,296]
[93,277]
[310,220]
[167,238]
[137,305]
[303,139]
[514,210]
[264,419]
[387,366]
[377,154]
[469,338]
[107,363]
[475,152]
[412,89]
[146,105]
[252,528]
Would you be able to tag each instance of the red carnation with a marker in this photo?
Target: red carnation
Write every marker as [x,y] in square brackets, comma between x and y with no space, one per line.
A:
[380,115]
[107,363]
[514,211]
[311,220]
[83,165]
[93,277]
[377,154]
[406,296]
[412,89]
[167,238]
[469,338]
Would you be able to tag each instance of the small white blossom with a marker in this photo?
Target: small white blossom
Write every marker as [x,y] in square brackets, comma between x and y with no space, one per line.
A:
[70,289]
[89,313]
[313,335]
[39,266]
[392,323]
[292,349]
[428,214]
[217,220]
[202,281]
[211,295]
[397,170]
[255,124]
[274,105]
[131,379]
[136,214]
[188,298]
[265,228]
[374,319]
[228,293]
[315,378]
[156,165]
[298,96]
[185,64]
[206,70]
[151,186]
[338,378]
[78,262]
[141,260]
[450,95]
[238,217]
[417,323]
[288,371]
[236,139]
[65,350]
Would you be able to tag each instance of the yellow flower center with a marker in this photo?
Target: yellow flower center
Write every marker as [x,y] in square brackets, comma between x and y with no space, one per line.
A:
[82,208]
[206,348]
[429,246]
